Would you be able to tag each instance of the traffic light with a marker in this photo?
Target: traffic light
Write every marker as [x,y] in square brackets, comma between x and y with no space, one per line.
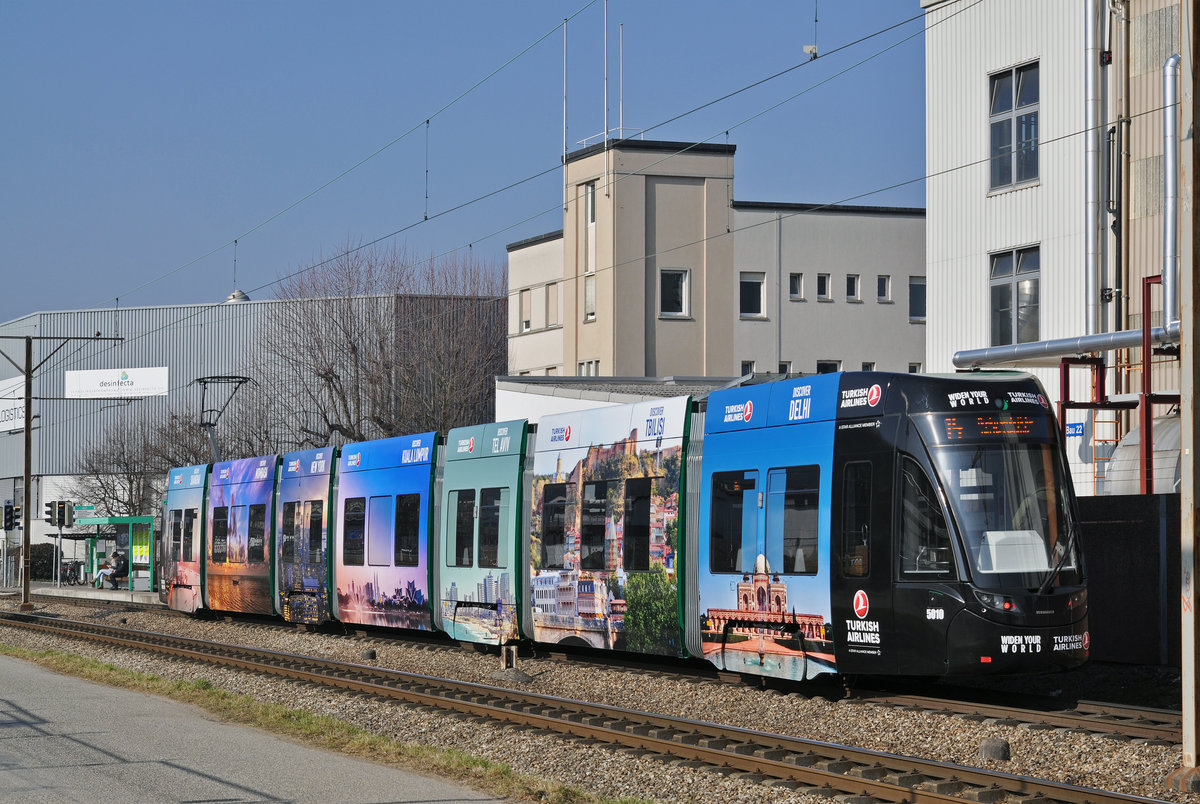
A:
[51,512]
[9,519]
[70,517]
[60,513]
[17,517]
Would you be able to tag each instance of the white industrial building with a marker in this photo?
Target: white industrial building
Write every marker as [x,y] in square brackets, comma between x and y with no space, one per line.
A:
[1044,125]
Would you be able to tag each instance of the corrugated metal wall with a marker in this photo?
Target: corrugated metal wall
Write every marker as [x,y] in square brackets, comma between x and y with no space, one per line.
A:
[192,340]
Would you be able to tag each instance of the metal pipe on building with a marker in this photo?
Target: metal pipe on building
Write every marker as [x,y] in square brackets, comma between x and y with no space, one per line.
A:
[1064,347]
[1170,267]
[1091,279]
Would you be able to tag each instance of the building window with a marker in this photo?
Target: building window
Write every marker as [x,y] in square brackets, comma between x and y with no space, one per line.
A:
[1014,126]
[916,298]
[914,368]
[552,304]
[589,202]
[589,298]
[868,366]
[785,367]
[828,366]
[673,293]
[883,288]
[796,287]
[589,368]
[526,323]
[589,227]
[823,287]
[852,285]
[751,294]
[747,367]
[1014,279]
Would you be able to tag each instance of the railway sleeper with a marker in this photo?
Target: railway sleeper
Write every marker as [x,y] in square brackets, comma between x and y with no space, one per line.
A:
[944,787]
[823,792]
[906,779]
[985,795]
[857,798]
[836,765]
[872,772]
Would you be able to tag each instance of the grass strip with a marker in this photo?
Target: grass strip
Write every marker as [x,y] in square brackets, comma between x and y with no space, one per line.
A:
[320,731]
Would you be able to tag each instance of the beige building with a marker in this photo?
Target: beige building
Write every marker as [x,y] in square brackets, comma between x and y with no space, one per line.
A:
[658,271]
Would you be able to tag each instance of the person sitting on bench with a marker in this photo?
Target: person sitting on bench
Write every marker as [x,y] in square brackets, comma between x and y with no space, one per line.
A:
[102,574]
[120,569]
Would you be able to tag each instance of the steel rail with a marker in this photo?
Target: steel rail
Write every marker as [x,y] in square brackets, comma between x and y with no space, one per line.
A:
[811,765]
[1099,718]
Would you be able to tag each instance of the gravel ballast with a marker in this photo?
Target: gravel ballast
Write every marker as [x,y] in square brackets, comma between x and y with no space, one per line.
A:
[1130,767]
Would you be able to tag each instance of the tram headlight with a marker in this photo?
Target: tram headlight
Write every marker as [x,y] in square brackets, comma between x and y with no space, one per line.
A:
[998,603]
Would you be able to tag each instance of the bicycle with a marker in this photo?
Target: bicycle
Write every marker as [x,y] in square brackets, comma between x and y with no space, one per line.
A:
[72,573]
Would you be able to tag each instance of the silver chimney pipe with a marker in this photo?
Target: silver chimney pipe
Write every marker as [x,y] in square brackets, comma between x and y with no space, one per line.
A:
[1170,130]
[1064,347]
[1091,104]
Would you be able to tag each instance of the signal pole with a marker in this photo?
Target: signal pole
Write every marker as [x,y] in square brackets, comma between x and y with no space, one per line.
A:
[28,370]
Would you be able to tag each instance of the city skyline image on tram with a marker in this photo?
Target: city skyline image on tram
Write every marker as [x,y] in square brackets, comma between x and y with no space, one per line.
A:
[477,569]
[381,552]
[302,511]
[763,546]
[239,536]
[604,532]
[183,513]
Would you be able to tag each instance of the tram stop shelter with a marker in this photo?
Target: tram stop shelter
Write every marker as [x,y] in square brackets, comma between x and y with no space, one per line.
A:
[132,534]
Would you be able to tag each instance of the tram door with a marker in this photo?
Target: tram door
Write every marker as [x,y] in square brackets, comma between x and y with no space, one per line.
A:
[926,598]
[865,637]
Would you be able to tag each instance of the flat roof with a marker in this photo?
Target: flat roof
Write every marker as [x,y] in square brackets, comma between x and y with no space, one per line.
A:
[832,208]
[662,146]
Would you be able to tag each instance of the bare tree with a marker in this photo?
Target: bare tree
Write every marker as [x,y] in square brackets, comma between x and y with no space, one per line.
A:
[376,344]
[123,471]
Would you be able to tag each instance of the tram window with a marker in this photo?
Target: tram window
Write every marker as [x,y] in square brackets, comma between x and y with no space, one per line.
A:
[379,531]
[554,524]
[793,499]
[256,534]
[462,504]
[220,532]
[856,520]
[354,521]
[493,504]
[592,525]
[732,538]
[924,538]
[176,532]
[316,524]
[636,544]
[189,523]
[287,534]
[408,529]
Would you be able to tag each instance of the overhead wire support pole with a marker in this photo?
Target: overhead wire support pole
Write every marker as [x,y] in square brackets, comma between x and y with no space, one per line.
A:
[28,370]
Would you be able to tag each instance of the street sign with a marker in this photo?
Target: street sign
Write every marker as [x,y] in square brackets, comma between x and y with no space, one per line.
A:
[84,509]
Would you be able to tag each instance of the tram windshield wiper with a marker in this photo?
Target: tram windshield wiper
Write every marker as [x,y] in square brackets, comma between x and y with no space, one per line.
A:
[1061,562]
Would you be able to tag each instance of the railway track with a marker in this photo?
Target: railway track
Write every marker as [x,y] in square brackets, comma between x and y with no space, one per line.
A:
[1115,721]
[809,766]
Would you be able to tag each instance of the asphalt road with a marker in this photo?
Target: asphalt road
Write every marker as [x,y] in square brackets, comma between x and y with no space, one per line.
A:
[67,740]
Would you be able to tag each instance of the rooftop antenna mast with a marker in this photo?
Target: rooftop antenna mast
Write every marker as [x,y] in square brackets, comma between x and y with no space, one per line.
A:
[606,188]
[564,155]
[811,50]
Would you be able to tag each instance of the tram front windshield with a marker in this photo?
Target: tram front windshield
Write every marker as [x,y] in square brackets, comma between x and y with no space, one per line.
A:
[1003,479]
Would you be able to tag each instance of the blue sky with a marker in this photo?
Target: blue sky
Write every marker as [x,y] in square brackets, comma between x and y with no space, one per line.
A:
[138,138]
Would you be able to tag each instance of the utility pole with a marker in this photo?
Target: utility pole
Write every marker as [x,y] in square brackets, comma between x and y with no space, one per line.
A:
[28,370]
